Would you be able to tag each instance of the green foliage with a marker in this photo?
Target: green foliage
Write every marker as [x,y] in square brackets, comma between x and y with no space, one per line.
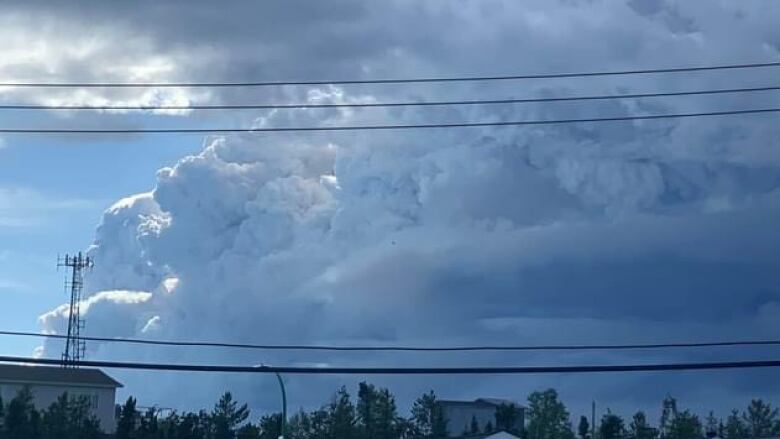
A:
[228,416]
[376,413]
[583,429]
[760,419]
[612,427]
[735,428]
[427,417]
[341,422]
[125,427]
[69,418]
[372,416]
[507,418]
[270,427]
[676,424]
[19,421]
[547,416]
[640,429]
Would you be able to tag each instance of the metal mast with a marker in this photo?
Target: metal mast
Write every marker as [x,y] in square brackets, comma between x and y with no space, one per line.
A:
[74,345]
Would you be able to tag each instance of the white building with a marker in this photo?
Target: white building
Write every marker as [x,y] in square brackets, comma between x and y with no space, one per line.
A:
[48,383]
[460,414]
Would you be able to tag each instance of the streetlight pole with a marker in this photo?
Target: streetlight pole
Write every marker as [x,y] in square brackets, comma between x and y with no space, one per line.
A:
[284,406]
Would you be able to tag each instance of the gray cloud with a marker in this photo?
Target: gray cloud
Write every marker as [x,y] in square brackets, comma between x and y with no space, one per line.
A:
[606,232]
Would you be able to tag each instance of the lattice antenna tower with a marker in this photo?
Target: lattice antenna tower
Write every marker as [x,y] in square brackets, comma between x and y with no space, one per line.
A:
[75,347]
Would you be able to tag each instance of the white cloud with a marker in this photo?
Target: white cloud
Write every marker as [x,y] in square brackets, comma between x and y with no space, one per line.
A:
[465,236]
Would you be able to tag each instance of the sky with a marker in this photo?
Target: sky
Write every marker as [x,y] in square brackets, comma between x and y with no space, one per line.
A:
[638,231]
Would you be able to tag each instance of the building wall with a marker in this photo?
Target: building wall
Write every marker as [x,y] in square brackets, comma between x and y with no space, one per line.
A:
[459,417]
[102,399]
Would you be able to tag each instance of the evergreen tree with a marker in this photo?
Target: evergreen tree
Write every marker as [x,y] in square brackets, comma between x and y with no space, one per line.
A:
[20,422]
[761,419]
[376,413]
[227,416]
[149,427]
[507,416]
[711,424]
[685,425]
[474,425]
[583,429]
[547,416]
[428,418]
[735,428]
[640,429]
[270,426]
[489,427]
[668,413]
[251,431]
[126,423]
[612,427]
[341,417]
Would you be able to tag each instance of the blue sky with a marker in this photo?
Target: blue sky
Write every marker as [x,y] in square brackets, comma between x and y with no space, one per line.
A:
[624,232]
[61,198]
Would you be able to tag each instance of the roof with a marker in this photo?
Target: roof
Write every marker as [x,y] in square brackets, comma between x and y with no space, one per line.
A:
[492,402]
[497,435]
[499,401]
[55,375]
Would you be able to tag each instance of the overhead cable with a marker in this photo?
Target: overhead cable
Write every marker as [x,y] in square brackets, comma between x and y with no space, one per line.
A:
[390,348]
[384,104]
[380,127]
[339,370]
[389,80]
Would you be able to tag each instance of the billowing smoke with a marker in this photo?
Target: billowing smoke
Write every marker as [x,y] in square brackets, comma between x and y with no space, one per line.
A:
[631,231]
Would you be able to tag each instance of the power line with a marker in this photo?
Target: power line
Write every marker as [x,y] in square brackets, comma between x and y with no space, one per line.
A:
[381,127]
[659,367]
[394,80]
[385,104]
[298,347]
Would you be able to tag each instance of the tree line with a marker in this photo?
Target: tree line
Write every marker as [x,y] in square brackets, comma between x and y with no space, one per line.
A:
[373,414]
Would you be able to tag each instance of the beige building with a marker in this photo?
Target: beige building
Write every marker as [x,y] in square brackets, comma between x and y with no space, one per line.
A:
[48,383]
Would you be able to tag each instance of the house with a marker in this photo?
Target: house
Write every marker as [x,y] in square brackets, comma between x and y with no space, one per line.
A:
[461,414]
[48,383]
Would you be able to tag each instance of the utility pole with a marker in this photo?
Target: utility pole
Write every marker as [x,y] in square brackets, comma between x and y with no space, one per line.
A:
[593,420]
[74,345]
[283,428]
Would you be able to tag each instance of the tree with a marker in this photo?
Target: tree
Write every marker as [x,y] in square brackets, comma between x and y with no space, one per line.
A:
[474,426]
[251,431]
[612,427]
[341,416]
[376,413]
[21,417]
[761,419]
[489,427]
[583,429]
[640,429]
[735,428]
[270,426]
[69,418]
[676,424]
[668,413]
[685,425]
[507,417]
[428,418]
[547,416]
[149,427]
[126,423]
[227,416]
[711,424]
